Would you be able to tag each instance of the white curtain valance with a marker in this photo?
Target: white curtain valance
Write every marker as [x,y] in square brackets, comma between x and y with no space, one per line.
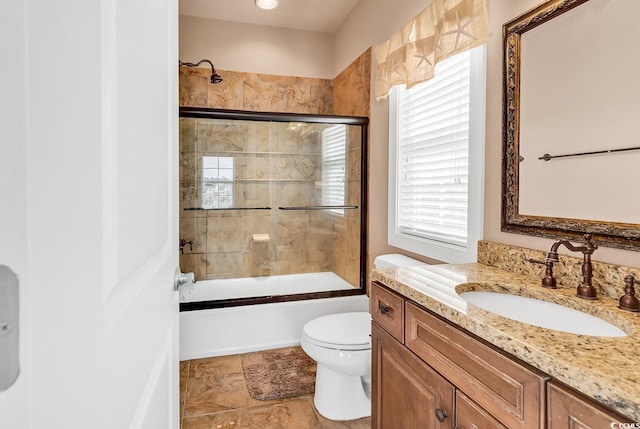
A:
[443,29]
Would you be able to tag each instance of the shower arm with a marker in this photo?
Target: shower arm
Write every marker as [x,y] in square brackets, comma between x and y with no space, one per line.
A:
[215,77]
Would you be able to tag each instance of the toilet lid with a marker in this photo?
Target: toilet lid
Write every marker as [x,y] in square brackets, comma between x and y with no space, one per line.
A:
[343,330]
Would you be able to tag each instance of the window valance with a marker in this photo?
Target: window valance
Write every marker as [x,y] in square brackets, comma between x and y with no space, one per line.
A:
[443,29]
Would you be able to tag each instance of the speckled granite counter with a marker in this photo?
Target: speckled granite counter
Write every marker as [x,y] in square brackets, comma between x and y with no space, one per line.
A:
[604,368]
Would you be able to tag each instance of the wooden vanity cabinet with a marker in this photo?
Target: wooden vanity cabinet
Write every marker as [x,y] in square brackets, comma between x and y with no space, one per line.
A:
[425,369]
[568,409]
[435,375]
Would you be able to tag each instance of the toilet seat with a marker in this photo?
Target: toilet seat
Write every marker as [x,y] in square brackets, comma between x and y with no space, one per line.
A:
[341,331]
[345,347]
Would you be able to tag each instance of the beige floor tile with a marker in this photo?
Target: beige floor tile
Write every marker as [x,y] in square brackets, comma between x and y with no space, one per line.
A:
[364,423]
[220,367]
[234,419]
[184,376]
[214,396]
[293,414]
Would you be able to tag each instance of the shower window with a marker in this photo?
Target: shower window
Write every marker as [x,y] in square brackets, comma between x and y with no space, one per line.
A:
[334,140]
[273,206]
[217,182]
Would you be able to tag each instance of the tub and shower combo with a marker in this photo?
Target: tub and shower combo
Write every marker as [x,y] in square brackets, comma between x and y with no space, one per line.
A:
[272,223]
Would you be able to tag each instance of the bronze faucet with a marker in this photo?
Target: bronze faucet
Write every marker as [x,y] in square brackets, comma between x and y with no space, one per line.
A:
[586,289]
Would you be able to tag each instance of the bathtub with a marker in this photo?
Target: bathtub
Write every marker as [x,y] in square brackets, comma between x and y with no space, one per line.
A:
[232,330]
[211,290]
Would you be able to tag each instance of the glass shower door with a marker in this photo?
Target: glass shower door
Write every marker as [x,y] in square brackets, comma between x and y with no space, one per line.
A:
[271,207]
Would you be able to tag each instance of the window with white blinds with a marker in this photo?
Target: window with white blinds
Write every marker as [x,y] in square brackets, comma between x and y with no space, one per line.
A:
[334,140]
[431,136]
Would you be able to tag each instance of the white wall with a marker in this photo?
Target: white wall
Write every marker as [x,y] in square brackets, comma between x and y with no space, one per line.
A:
[257,49]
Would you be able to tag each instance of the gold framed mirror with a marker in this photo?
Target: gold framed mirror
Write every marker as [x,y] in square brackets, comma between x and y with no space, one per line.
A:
[582,164]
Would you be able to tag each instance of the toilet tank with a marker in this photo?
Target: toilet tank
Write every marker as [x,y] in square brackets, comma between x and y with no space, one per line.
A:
[395,260]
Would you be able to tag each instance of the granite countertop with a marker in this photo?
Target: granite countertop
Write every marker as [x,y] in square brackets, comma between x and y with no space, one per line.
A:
[606,369]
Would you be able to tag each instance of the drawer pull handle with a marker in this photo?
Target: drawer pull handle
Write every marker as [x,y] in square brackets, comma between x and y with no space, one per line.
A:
[441,415]
[385,308]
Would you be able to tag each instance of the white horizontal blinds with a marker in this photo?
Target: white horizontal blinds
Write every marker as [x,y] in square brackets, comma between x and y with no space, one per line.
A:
[334,141]
[433,154]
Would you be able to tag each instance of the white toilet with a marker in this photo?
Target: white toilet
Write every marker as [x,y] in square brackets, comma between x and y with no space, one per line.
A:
[341,345]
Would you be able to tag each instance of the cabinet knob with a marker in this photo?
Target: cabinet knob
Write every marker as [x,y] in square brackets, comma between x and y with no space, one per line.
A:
[441,415]
[385,308]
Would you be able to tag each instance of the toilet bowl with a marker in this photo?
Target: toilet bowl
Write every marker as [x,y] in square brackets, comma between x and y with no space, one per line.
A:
[341,345]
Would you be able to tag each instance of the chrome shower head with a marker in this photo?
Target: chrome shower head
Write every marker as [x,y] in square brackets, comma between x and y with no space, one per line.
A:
[215,77]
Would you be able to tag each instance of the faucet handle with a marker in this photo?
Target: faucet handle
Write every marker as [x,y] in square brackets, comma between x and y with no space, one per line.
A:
[548,281]
[629,301]
[183,243]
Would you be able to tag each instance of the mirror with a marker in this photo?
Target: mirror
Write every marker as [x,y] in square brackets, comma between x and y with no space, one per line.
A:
[571,147]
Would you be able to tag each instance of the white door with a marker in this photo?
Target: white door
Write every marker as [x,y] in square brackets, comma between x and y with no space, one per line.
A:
[88,210]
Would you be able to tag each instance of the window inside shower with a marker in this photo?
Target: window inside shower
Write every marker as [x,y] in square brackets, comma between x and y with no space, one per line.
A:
[217,182]
[271,206]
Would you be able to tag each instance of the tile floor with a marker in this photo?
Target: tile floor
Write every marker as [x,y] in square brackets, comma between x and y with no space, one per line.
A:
[213,395]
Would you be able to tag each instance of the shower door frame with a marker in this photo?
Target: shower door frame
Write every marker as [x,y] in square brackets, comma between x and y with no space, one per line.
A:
[242,115]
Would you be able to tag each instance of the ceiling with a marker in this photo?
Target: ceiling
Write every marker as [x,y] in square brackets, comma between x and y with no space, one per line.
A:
[324,16]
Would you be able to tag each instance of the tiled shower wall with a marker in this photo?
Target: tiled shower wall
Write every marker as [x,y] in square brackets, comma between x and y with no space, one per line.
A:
[299,241]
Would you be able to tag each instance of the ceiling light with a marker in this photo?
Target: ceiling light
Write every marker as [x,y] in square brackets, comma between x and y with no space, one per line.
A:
[267,4]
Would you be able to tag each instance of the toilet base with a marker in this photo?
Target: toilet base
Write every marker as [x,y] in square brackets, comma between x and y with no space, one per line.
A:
[341,397]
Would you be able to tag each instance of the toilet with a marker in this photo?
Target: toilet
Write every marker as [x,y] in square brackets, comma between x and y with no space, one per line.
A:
[341,345]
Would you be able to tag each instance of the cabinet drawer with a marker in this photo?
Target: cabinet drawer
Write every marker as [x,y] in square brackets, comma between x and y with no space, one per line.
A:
[469,415]
[508,390]
[568,409]
[387,309]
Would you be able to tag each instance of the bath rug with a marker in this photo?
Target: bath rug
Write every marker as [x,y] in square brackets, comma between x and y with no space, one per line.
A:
[279,373]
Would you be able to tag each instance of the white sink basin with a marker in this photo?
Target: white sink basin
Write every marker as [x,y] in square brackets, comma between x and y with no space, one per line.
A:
[542,313]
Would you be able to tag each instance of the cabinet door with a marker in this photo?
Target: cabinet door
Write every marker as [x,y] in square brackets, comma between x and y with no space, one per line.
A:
[470,415]
[406,392]
[568,410]
[508,390]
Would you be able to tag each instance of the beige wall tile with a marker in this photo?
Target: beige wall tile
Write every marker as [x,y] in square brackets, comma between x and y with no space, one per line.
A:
[187,170]
[194,263]
[225,264]
[227,94]
[189,198]
[214,137]
[194,229]
[224,234]
[187,140]
[193,90]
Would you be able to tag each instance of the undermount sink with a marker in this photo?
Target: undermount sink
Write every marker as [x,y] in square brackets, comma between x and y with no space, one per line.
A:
[542,313]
